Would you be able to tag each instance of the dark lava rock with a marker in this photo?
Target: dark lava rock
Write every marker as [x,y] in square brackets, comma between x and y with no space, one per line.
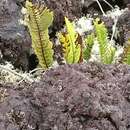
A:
[124,26]
[91,6]
[71,97]
[78,8]
[69,8]
[14,40]
[9,15]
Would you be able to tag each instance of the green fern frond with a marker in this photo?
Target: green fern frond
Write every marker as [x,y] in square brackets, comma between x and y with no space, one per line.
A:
[38,19]
[89,42]
[70,43]
[107,51]
[125,58]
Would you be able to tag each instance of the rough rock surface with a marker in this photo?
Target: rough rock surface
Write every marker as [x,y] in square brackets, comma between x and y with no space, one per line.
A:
[77,8]
[124,28]
[14,40]
[71,97]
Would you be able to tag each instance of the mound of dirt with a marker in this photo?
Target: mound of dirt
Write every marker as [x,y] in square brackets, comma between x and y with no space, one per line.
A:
[71,97]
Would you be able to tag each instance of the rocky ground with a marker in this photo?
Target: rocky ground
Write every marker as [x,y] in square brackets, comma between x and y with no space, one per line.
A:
[88,96]
[91,97]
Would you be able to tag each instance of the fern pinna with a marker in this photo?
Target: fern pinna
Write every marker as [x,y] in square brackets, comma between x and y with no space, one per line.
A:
[70,43]
[38,19]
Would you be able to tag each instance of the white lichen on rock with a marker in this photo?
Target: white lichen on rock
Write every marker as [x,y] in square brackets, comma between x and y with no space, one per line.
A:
[8,74]
[83,25]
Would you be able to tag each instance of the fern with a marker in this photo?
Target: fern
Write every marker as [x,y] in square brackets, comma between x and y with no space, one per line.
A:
[70,43]
[107,51]
[89,42]
[38,19]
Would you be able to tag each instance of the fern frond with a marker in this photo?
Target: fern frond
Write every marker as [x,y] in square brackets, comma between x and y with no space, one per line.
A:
[38,19]
[125,57]
[89,42]
[107,51]
[70,43]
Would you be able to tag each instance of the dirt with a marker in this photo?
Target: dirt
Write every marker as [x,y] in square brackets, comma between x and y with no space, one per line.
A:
[71,97]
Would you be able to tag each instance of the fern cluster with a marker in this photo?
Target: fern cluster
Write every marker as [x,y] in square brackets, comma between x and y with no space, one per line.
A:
[75,48]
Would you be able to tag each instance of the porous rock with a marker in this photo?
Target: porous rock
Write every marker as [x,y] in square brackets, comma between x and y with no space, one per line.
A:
[71,97]
[14,40]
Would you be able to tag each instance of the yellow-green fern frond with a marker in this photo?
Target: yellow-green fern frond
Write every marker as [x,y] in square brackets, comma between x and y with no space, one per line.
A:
[125,58]
[107,51]
[38,19]
[89,42]
[70,43]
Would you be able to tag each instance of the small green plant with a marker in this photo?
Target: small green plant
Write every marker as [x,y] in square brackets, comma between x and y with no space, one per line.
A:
[89,42]
[70,43]
[38,19]
[107,51]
